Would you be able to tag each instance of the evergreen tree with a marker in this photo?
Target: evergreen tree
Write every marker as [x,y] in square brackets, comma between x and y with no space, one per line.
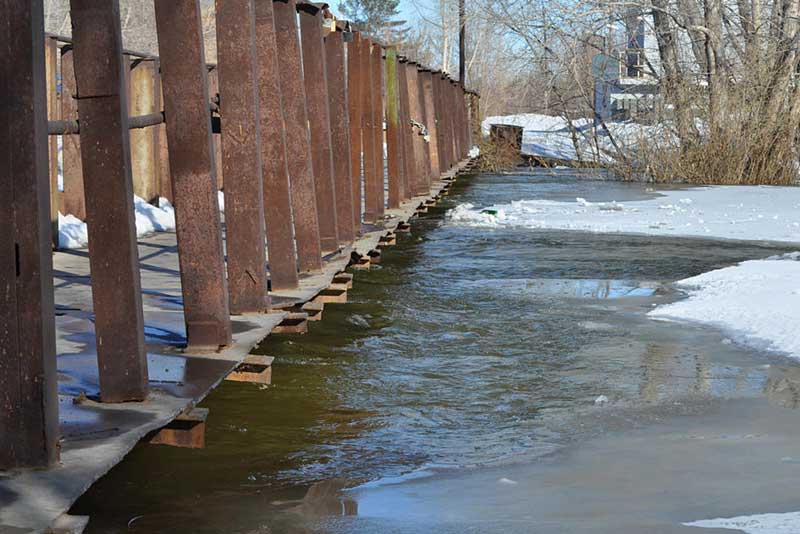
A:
[376,18]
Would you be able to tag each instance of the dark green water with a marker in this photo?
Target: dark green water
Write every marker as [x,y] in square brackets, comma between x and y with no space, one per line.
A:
[466,348]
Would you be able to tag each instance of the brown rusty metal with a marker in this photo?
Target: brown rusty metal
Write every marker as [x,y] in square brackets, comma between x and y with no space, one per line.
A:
[105,155]
[340,134]
[316,86]
[379,189]
[298,151]
[418,181]
[430,107]
[28,383]
[193,172]
[136,122]
[394,140]
[367,131]
[436,84]
[355,107]
[72,172]
[406,131]
[424,119]
[51,76]
[277,197]
[241,156]
[143,142]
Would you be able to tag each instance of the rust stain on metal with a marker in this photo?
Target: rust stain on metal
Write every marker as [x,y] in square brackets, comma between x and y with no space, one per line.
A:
[355,107]
[193,173]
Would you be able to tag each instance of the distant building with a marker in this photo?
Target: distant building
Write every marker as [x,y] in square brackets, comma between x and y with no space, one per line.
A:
[626,83]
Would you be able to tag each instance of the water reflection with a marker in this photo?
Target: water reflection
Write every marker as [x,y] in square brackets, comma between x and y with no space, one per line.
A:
[466,347]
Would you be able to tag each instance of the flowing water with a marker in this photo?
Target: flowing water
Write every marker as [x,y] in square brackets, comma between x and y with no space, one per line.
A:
[466,348]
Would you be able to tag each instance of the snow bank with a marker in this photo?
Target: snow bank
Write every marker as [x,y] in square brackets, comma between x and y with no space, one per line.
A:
[758,300]
[72,232]
[551,137]
[726,212]
[788,523]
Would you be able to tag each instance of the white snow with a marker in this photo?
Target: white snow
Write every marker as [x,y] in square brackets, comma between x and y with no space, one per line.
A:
[551,137]
[788,523]
[72,232]
[725,212]
[759,301]
[474,152]
[221,201]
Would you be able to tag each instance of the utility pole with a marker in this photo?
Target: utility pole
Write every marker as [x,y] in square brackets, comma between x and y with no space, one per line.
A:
[462,45]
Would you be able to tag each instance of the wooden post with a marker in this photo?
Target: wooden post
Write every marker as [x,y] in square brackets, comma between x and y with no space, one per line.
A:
[355,107]
[368,118]
[376,64]
[193,171]
[28,381]
[340,134]
[51,70]
[393,135]
[143,101]
[163,180]
[277,196]
[105,156]
[71,167]
[316,85]
[298,151]
[241,156]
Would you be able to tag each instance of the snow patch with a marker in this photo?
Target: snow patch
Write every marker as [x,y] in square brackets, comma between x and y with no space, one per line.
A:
[758,300]
[755,524]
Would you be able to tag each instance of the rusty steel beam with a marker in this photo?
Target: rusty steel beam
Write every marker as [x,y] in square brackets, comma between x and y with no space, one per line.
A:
[367,130]
[241,156]
[340,134]
[394,141]
[277,196]
[105,155]
[28,383]
[193,172]
[430,108]
[298,151]
[315,80]
[438,104]
[143,141]
[406,131]
[71,169]
[418,182]
[378,200]
[424,112]
[355,108]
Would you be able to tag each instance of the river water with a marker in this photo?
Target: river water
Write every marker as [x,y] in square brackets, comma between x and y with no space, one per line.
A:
[467,349]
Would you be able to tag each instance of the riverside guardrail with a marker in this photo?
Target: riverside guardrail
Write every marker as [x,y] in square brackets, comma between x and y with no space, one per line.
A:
[280,124]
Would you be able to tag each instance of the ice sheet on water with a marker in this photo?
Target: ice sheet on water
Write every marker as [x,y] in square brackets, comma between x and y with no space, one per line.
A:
[788,523]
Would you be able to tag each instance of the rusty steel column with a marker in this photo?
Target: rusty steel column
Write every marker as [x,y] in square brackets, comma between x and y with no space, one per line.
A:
[316,84]
[394,141]
[72,172]
[193,172]
[340,134]
[376,65]
[28,383]
[423,106]
[405,131]
[241,157]
[444,126]
[367,132]
[418,182]
[105,155]
[431,113]
[451,86]
[355,107]
[143,141]
[439,119]
[277,197]
[298,151]
[216,138]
